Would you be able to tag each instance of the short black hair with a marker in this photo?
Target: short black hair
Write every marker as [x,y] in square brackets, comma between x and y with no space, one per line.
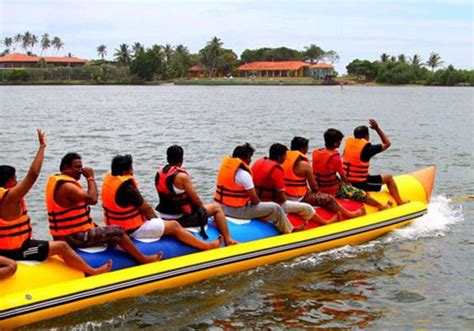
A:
[299,143]
[361,131]
[332,136]
[277,150]
[174,154]
[121,164]
[6,173]
[67,160]
[243,151]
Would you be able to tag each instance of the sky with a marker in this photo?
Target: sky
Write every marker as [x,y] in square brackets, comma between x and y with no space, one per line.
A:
[361,29]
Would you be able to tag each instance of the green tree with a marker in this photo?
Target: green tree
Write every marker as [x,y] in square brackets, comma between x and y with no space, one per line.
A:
[102,51]
[45,43]
[26,40]
[402,58]
[57,43]
[168,51]
[34,40]
[18,40]
[210,55]
[363,69]
[384,57]
[147,64]
[181,61]
[122,54]
[313,53]
[416,60]
[434,61]
[137,48]
[8,42]
[331,57]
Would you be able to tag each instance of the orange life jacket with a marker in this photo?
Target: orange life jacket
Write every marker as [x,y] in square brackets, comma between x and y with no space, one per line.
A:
[262,171]
[171,202]
[14,233]
[295,186]
[129,218]
[353,167]
[327,180]
[64,221]
[228,192]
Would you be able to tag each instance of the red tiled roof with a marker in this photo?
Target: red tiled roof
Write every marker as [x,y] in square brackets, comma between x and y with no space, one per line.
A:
[17,57]
[196,68]
[268,65]
[322,65]
[281,65]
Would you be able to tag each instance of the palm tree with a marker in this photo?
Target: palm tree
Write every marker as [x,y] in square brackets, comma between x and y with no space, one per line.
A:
[122,54]
[34,40]
[181,50]
[384,57]
[26,40]
[17,39]
[8,42]
[416,60]
[434,61]
[168,50]
[137,49]
[45,43]
[402,58]
[393,58]
[214,47]
[57,43]
[102,51]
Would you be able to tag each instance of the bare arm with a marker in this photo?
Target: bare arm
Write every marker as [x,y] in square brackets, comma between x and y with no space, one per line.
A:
[254,199]
[183,181]
[147,211]
[280,197]
[91,186]
[385,141]
[303,169]
[23,187]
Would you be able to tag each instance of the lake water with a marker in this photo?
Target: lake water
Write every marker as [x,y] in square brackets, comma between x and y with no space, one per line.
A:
[421,276]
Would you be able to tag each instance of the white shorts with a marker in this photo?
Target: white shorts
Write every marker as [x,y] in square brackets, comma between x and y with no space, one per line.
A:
[303,210]
[151,229]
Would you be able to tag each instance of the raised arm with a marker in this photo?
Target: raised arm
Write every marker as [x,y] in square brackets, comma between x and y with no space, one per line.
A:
[23,187]
[385,141]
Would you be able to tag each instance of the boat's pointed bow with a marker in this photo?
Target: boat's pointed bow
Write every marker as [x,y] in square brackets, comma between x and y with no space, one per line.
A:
[426,177]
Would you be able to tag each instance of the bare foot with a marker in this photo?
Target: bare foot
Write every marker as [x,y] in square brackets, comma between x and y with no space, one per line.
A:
[388,205]
[152,258]
[106,267]
[299,227]
[402,202]
[230,242]
[215,244]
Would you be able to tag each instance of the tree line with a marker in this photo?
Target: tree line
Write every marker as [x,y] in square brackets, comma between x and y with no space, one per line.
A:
[167,61]
[401,69]
[27,42]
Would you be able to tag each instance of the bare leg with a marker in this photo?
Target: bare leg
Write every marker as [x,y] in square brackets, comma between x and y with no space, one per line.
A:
[350,214]
[393,189]
[71,258]
[214,209]
[175,229]
[7,267]
[128,246]
[372,202]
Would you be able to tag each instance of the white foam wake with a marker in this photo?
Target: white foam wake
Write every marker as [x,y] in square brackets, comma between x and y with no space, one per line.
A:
[441,215]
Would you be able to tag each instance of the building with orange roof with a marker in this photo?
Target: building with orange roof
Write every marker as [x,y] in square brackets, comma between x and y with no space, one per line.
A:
[17,60]
[286,69]
[197,71]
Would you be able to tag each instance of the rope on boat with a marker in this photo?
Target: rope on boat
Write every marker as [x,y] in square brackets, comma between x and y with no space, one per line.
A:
[462,198]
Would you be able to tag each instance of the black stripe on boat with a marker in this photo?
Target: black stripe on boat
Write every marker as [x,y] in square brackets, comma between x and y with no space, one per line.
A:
[12,312]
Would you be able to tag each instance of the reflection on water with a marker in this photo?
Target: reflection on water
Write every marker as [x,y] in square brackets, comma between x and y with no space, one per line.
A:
[417,277]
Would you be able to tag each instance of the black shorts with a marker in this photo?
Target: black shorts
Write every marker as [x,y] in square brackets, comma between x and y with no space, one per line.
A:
[372,184]
[198,217]
[36,250]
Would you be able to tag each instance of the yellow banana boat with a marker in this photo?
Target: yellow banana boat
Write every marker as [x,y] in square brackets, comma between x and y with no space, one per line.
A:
[40,291]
